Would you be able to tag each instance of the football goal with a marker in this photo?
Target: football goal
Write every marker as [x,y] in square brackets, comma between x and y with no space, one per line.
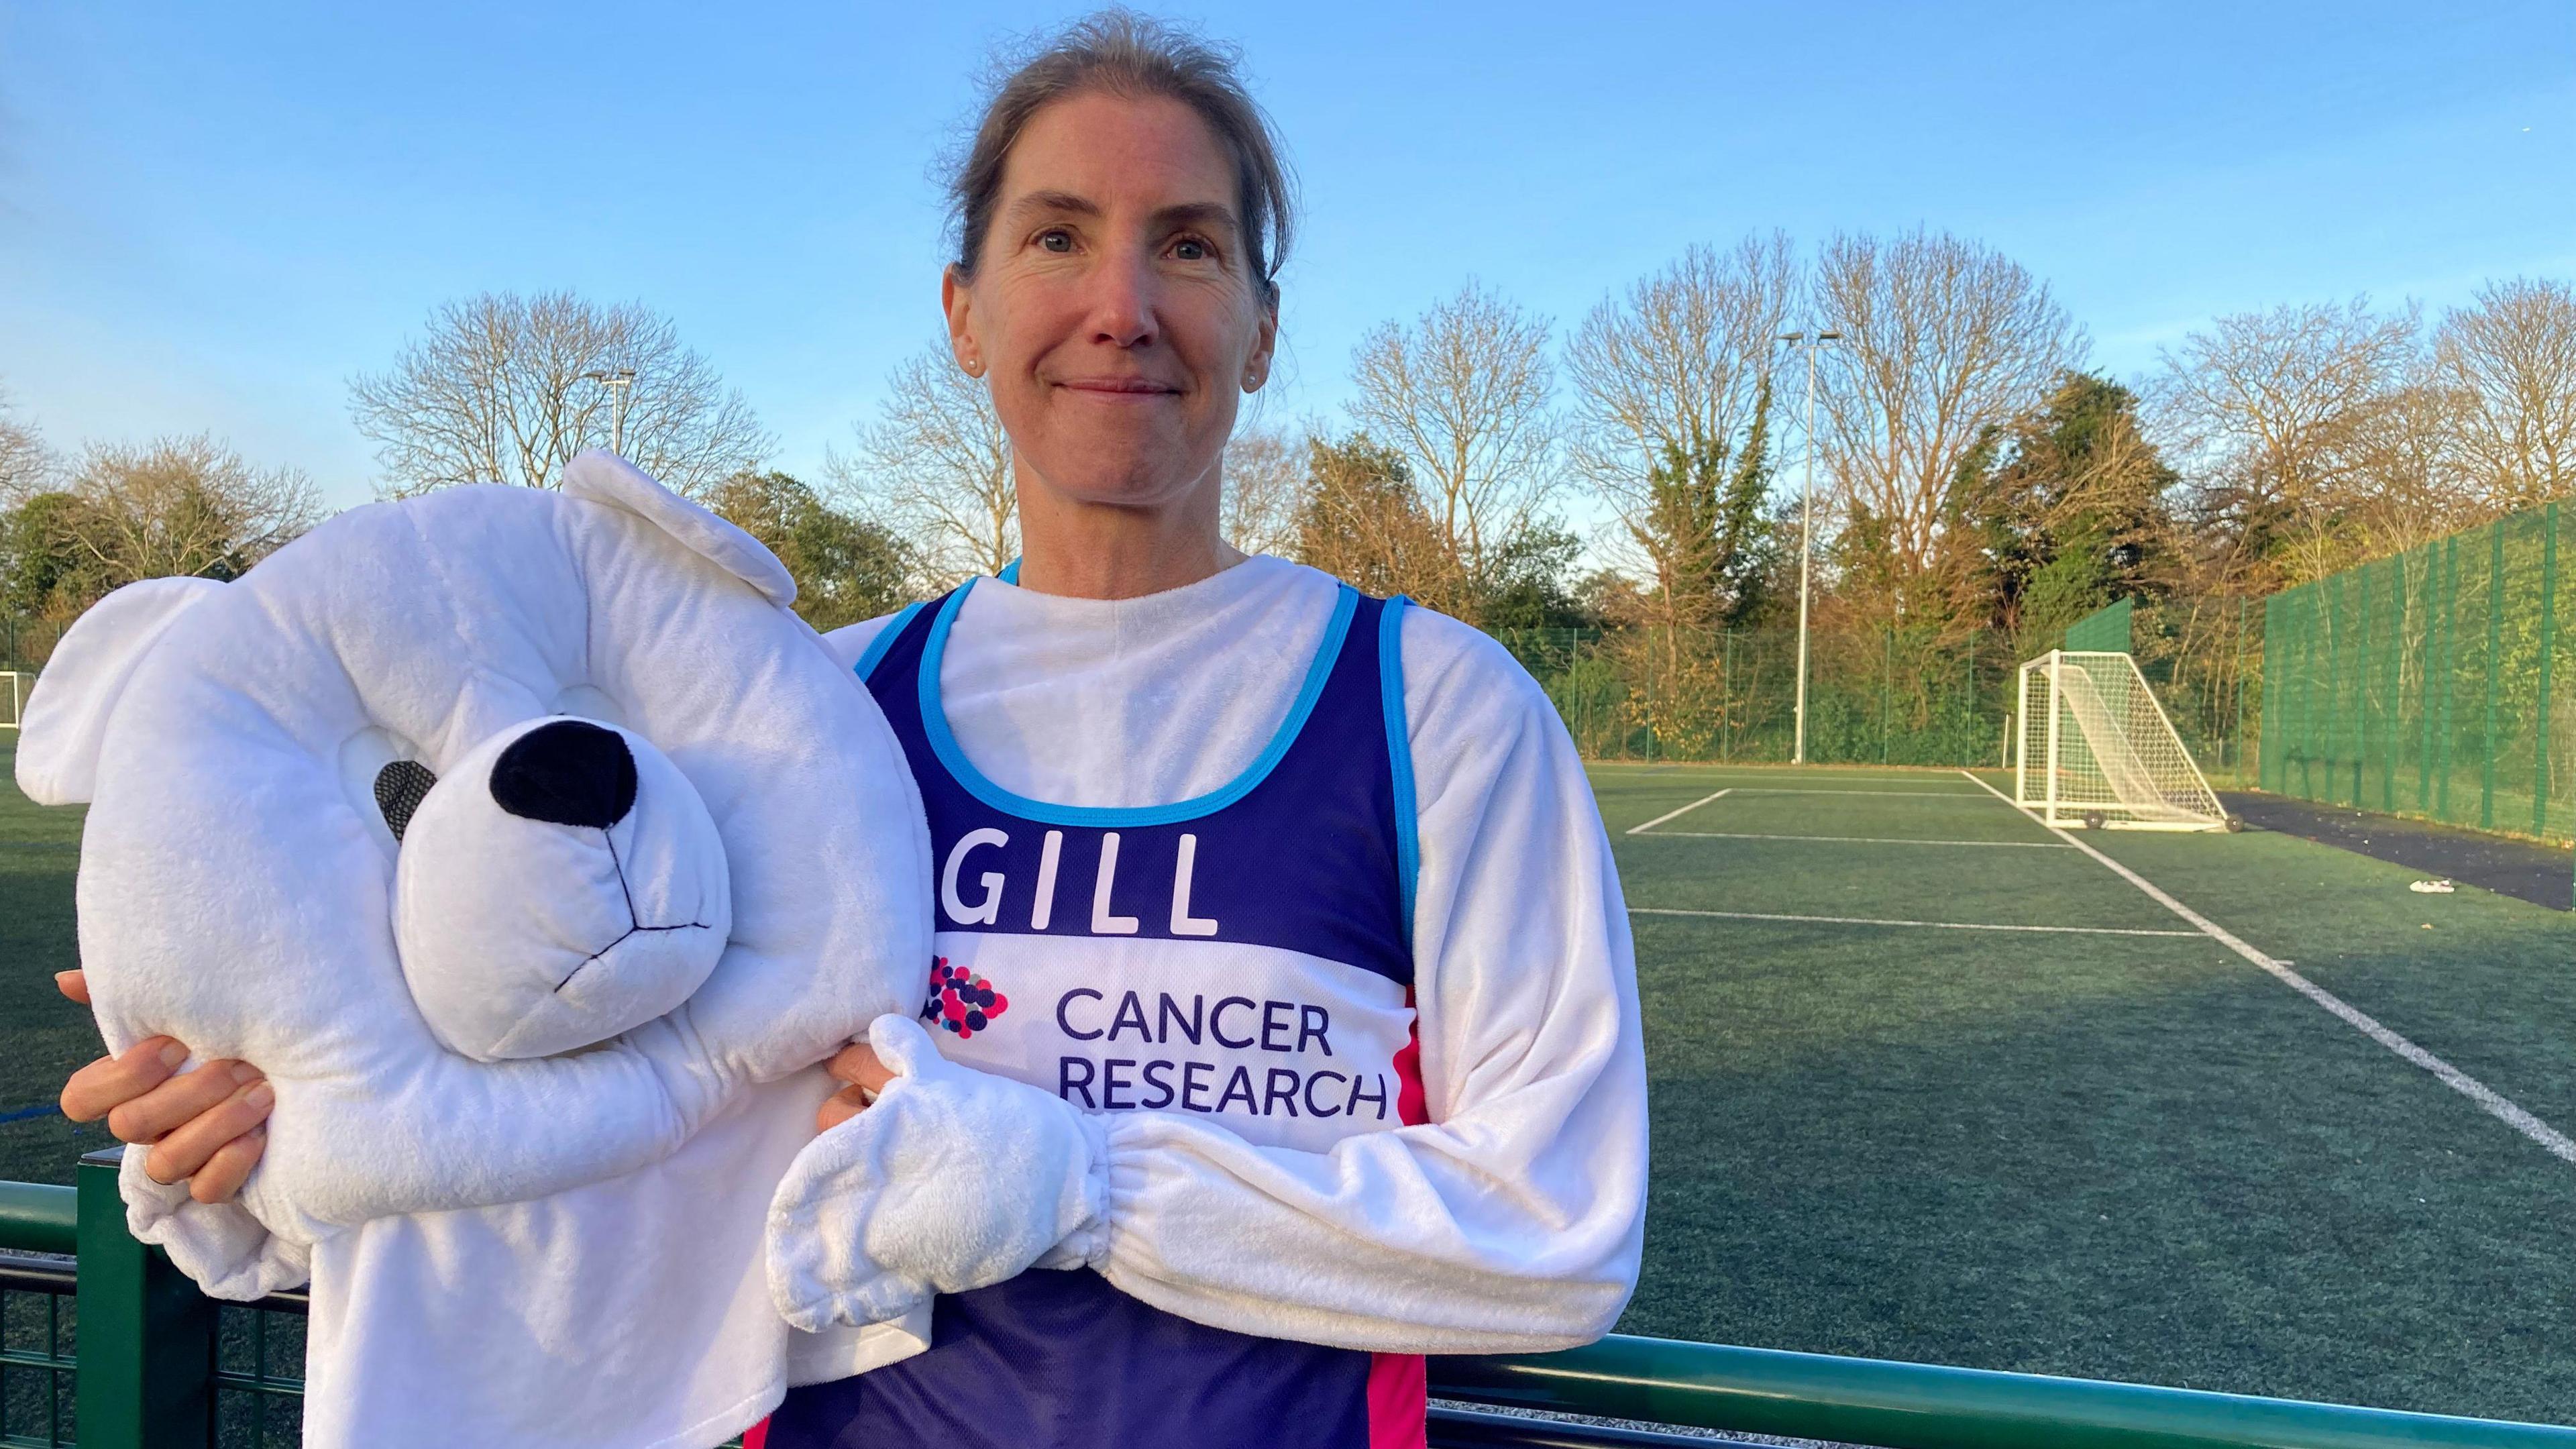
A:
[2095,748]
[13,696]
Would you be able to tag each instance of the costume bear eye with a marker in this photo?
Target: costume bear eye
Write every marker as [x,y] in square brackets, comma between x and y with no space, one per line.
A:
[399,788]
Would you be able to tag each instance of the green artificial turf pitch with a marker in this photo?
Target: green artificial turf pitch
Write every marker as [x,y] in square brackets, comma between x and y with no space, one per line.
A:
[2127,1156]
[2118,1150]
[42,1036]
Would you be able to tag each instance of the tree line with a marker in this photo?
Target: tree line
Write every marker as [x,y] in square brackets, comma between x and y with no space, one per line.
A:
[1976,476]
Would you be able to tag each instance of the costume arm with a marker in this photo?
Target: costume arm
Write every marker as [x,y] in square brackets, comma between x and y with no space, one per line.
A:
[440,1132]
[1513,1220]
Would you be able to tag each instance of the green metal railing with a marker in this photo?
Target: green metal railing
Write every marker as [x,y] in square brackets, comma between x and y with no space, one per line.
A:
[151,1364]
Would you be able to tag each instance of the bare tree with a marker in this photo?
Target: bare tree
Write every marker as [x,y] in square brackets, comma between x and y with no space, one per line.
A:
[182,506]
[505,388]
[1944,342]
[1265,479]
[939,465]
[1463,394]
[2510,365]
[1677,362]
[26,466]
[2268,412]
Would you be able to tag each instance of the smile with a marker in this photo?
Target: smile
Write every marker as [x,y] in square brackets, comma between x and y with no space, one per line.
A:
[1120,389]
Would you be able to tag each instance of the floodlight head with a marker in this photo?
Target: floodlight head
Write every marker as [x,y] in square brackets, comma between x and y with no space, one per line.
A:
[1791,336]
[1829,337]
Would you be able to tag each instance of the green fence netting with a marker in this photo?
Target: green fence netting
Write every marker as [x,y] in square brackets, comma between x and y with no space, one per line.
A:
[2105,630]
[1876,694]
[2428,683]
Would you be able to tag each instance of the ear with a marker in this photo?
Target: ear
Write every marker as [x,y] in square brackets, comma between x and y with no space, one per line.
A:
[67,715]
[599,476]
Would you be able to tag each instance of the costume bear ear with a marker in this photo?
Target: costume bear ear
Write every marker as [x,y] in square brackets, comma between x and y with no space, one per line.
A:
[67,715]
[599,476]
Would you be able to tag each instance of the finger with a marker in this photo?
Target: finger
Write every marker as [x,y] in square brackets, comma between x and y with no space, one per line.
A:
[74,984]
[860,1067]
[111,1082]
[838,1108]
[187,1150]
[175,1103]
[226,1171]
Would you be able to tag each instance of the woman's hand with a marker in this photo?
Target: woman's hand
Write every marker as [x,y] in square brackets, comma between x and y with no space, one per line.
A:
[206,1126]
[858,1066]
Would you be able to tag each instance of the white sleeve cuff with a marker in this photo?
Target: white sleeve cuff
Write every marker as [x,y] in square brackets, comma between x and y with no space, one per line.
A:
[220,1246]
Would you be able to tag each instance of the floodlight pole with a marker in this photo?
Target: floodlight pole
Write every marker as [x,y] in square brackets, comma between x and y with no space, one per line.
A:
[617,383]
[1806,528]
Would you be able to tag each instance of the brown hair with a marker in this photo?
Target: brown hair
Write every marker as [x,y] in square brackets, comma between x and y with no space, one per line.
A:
[1126,54]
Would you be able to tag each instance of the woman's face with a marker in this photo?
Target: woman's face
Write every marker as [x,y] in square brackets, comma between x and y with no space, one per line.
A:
[1114,307]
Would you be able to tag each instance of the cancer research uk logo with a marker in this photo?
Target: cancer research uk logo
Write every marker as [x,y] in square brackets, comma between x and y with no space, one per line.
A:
[961,1001]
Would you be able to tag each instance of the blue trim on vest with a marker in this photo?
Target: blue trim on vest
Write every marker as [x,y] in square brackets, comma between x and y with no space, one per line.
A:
[1399,749]
[1010,573]
[884,641]
[934,725]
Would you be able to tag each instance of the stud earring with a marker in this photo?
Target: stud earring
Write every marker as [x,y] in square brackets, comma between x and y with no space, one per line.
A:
[974,365]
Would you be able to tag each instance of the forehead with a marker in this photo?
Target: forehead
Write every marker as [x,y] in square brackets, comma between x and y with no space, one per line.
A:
[1149,153]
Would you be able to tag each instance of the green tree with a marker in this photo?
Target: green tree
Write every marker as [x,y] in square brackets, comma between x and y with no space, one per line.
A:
[2071,514]
[1527,584]
[44,570]
[846,568]
[1702,527]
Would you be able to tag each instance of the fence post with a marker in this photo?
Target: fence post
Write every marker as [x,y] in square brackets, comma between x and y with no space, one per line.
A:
[2393,735]
[2450,660]
[2430,600]
[2548,643]
[147,1336]
[2495,646]
[1886,691]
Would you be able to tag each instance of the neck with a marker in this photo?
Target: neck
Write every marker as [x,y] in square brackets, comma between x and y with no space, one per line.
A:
[1085,550]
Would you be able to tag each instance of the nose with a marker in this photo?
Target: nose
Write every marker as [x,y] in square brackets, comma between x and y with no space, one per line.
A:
[570,772]
[1122,303]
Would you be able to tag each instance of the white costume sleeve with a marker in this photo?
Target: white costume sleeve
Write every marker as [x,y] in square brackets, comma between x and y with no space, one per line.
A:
[1514,1219]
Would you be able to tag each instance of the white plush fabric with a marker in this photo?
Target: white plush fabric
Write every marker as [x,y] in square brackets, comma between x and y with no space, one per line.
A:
[241,889]
[953,1179]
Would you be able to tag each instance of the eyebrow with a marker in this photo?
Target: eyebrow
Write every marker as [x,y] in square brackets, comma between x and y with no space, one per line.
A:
[1201,213]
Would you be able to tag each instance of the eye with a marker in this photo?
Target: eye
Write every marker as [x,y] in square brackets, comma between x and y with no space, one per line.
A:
[1056,239]
[1191,249]
[400,787]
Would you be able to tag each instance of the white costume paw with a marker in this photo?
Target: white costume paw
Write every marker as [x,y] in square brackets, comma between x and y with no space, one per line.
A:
[224,1249]
[954,1179]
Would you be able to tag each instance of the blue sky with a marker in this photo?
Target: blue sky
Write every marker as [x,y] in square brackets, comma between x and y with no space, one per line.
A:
[211,216]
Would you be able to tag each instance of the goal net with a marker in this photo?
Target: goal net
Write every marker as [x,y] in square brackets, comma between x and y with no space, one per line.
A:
[2094,747]
[13,697]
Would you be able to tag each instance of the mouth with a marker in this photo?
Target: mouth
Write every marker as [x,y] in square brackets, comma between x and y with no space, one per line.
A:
[1119,389]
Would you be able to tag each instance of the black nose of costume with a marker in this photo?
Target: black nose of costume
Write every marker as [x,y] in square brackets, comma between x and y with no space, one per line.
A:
[568,773]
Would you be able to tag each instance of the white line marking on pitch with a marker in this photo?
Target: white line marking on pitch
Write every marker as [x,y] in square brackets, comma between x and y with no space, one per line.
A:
[1676,814]
[1928,925]
[1853,840]
[1908,794]
[2497,1105]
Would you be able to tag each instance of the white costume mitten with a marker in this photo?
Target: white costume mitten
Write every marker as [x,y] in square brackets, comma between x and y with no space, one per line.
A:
[228,1252]
[953,1179]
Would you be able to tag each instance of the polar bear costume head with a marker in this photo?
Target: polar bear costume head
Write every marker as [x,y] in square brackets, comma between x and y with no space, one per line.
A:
[449,792]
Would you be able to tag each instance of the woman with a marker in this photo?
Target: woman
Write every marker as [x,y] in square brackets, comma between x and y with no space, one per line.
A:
[1300,897]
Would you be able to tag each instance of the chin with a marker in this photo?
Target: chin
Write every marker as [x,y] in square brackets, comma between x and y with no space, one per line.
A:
[1123,472]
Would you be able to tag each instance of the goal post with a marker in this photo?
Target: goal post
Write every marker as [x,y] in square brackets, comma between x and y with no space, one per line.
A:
[13,697]
[2096,748]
